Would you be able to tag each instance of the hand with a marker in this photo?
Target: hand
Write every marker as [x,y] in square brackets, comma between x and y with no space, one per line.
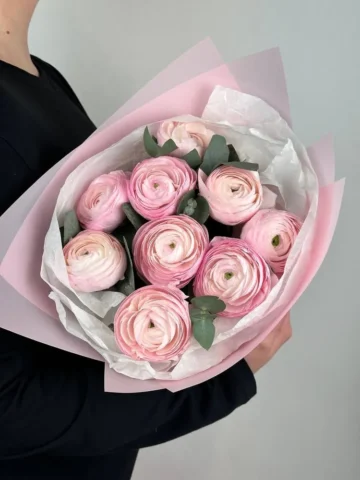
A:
[264,352]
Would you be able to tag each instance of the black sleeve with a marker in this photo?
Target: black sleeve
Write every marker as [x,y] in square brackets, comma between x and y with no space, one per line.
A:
[15,176]
[53,402]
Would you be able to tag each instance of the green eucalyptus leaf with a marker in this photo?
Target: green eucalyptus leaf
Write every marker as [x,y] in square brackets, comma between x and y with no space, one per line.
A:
[196,207]
[134,218]
[253,167]
[127,285]
[193,159]
[204,333]
[217,152]
[125,288]
[190,209]
[168,147]
[196,311]
[233,156]
[184,201]
[71,226]
[209,303]
[235,161]
[202,210]
[151,146]
[197,315]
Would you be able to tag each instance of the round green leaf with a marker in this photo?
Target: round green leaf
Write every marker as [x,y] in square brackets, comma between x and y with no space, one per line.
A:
[125,288]
[217,152]
[202,210]
[204,333]
[151,147]
[167,148]
[197,314]
[253,167]
[193,159]
[184,201]
[209,303]
[233,157]
[189,210]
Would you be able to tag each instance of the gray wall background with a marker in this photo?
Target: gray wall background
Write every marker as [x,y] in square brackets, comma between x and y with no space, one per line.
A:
[305,421]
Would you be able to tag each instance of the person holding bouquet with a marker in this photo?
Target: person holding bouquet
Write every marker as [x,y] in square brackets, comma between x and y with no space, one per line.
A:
[56,421]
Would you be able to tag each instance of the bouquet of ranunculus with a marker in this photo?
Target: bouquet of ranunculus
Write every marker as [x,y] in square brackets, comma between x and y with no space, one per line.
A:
[175,246]
[180,235]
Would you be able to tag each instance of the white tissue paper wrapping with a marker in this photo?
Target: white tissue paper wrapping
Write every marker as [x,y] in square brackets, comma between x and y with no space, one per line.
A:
[260,135]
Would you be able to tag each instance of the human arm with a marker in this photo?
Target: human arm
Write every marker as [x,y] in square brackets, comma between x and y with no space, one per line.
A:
[230,381]
[54,402]
[15,176]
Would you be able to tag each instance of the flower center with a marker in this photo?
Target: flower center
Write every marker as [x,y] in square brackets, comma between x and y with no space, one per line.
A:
[172,245]
[151,325]
[228,275]
[156,185]
[275,241]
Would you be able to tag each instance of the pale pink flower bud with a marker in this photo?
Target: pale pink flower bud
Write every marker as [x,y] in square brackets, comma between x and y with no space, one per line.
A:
[99,207]
[157,185]
[95,261]
[234,272]
[234,195]
[169,251]
[153,324]
[187,136]
[272,234]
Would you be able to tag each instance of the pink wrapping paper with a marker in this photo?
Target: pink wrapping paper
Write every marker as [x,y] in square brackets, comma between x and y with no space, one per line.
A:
[199,59]
[260,75]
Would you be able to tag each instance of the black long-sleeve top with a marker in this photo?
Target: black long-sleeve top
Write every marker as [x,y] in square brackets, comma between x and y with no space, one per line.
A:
[56,421]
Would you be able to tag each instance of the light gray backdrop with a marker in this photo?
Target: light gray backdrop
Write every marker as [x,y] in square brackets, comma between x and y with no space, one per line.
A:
[305,421]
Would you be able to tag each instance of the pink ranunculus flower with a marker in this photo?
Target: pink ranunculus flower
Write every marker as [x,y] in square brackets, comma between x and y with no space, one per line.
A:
[234,272]
[153,324]
[169,251]
[234,195]
[187,136]
[157,184]
[99,207]
[272,234]
[95,261]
